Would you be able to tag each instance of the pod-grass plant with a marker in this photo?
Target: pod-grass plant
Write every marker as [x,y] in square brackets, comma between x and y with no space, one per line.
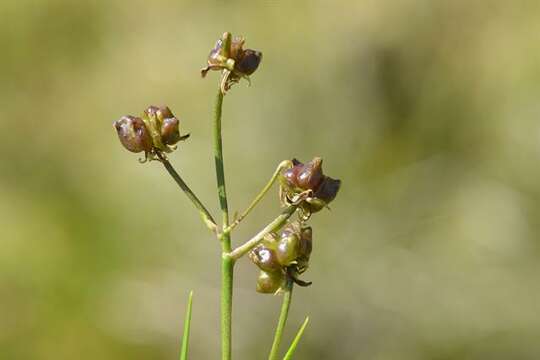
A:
[281,250]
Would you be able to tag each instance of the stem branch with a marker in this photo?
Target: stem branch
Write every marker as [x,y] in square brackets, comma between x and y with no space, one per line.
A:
[205,214]
[273,226]
[283,165]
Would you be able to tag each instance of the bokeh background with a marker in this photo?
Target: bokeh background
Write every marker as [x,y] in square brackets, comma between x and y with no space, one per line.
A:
[427,110]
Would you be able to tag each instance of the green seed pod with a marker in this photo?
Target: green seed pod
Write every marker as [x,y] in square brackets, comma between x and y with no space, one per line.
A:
[287,249]
[270,282]
[264,258]
[133,134]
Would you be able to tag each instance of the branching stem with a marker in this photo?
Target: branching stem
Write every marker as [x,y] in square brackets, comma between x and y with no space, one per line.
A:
[275,225]
[283,165]
[203,211]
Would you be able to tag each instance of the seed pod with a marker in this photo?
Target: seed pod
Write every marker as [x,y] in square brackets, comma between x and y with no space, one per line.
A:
[287,249]
[151,111]
[163,112]
[328,189]
[288,177]
[270,282]
[326,192]
[304,176]
[235,62]
[310,175]
[248,62]
[158,113]
[305,244]
[170,132]
[264,258]
[133,134]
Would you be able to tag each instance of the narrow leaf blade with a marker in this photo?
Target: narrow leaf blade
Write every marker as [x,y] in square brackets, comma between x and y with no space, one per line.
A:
[187,326]
[296,340]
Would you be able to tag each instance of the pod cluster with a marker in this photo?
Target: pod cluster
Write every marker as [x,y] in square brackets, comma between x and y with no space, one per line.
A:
[234,61]
[158,130]
[282,256]
[306,185]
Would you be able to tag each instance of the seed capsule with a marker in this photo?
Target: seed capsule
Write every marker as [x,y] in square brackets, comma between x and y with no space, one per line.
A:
[270,282]
[233,61]
[308,179]
[304,176]
[328,189]
[304,251]
[306,243]
[133,134]
[264,258]
[248,61]
[287,249]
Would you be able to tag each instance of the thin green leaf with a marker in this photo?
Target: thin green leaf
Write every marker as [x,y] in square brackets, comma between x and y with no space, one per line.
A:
[187,325]
[292,348]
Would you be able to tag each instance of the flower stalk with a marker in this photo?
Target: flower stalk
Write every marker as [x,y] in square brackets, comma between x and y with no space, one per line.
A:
[203,211]
[283,165]
[282,248]
[283,315]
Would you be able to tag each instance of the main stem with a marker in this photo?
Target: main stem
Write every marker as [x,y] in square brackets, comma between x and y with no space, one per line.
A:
[282,320]
[227,263]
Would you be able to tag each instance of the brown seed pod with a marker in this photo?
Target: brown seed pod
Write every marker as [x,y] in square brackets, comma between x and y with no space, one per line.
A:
[133,134]
[248,62]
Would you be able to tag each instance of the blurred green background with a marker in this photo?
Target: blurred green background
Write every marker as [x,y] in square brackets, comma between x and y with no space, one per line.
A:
[427,110]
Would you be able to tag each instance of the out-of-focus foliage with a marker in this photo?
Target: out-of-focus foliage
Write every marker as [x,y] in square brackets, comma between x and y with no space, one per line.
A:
[427,110]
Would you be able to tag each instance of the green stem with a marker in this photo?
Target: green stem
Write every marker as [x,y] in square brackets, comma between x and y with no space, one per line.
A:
[275,225]
[203,212]
[187,326]
[227,272]
[283,165]
[287,296]
[227,263]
